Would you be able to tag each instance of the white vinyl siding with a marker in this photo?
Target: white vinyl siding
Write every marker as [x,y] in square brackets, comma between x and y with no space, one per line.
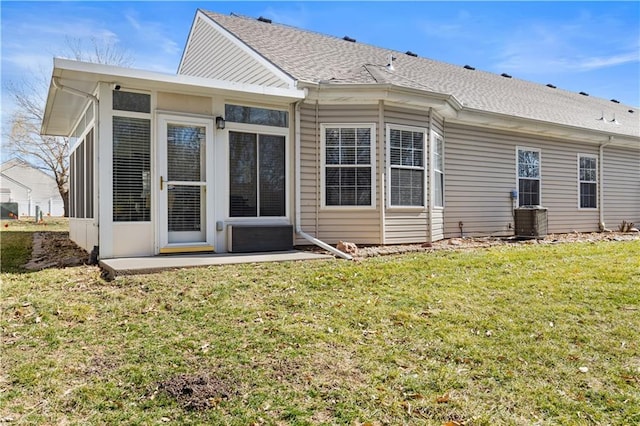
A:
[348,171]
[621,186]
[406,150]
[360,225]
[212,54]
[481,172]
[587,181]
[405,225]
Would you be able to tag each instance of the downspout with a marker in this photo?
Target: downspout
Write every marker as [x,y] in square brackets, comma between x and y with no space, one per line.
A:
[429,177]
[601,224]
[298,194]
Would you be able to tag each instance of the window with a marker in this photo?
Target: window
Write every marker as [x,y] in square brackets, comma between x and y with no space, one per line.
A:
[528,177]
[348,172]
[588,181]
[257,183]
[406,166]
[131,169]
[253,115]
[438,170]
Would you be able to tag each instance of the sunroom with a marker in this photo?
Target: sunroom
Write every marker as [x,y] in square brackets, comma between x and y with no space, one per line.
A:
[171,163]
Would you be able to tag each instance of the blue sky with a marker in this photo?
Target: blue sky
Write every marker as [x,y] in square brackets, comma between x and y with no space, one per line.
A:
[578,46]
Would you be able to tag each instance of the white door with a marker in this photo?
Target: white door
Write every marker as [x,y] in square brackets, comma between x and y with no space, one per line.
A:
[184,144]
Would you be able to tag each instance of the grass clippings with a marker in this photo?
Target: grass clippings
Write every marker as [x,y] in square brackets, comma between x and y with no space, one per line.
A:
[529,334]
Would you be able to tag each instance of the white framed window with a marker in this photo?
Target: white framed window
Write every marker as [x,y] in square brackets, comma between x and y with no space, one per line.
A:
[588,181]
[348,165]
[528,167]
[437,148]
[405,166]
[257,174]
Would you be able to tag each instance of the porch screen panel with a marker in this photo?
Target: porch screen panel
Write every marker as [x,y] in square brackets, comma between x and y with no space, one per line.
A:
[243,191]
[131,169]
[80,181]
[89,173]
[72,185]
[272,180]
[185,156]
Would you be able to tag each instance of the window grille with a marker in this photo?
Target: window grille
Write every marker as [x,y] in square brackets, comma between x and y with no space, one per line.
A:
[406,162]
[348,167]
[588,181]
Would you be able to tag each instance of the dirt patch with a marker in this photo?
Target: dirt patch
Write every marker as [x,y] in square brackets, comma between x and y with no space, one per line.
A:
[198,391]
[482,242]
[55,250]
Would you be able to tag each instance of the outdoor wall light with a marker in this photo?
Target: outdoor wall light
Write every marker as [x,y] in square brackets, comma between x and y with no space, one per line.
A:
[220,123]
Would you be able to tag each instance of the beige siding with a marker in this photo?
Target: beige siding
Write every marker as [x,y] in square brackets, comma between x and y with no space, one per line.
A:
[405,225]
[361,226]
[184,103]
[621,186]
[480,167]
[437,221]
[212,54]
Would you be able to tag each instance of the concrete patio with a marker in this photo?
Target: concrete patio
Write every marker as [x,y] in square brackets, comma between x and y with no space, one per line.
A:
[147,265]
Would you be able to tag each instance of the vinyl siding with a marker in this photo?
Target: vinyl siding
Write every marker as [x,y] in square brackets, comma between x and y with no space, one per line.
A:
[361,226]
[405,225]
[480,167]
[184,103]
[212,54]
[621,186]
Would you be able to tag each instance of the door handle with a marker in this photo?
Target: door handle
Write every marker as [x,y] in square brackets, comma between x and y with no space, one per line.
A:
[161,183]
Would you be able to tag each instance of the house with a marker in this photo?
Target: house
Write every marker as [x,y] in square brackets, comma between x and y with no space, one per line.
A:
[29,187]
[270,136]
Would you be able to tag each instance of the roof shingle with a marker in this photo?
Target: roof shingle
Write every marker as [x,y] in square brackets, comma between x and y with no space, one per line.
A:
[313,57]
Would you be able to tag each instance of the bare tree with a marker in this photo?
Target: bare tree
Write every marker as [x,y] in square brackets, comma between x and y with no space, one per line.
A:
[24,141]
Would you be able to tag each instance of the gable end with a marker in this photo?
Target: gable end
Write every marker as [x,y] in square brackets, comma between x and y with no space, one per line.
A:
[213,52]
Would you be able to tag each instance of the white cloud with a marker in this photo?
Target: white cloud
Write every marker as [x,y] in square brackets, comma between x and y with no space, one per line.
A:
[582,44]
[152,33]
[609,61]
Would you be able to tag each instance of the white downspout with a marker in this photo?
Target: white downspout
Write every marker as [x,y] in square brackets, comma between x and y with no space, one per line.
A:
[298,194]
[601,224]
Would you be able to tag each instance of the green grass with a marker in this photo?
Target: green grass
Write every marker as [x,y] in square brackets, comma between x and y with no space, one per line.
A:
[29,224]
[482,337]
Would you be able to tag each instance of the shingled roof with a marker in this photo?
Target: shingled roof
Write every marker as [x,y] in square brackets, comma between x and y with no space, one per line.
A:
[312,57]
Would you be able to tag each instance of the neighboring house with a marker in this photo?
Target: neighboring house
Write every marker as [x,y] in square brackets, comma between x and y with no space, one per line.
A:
[271,136]
[30,187]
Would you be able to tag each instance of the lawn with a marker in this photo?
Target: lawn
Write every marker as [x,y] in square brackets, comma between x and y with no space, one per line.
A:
[532,334]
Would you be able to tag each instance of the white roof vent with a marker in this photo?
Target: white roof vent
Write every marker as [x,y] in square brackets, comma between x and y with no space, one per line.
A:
[390,59]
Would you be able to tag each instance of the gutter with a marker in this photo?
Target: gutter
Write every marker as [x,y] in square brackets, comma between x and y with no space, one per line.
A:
[298,195]
[601,223]
[57,85]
